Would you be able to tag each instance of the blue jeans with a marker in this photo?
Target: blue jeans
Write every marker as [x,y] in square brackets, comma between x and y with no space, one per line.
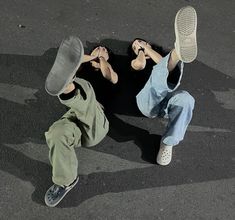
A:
[159,98]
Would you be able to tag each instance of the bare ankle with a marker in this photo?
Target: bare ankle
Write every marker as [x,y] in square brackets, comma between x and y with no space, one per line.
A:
[173,60]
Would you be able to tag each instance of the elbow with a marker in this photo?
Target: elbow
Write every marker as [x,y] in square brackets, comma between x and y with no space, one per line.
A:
[137,65]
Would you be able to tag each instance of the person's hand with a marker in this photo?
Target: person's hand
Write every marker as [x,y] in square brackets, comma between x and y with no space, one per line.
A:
[136,46]
[95,54]
[146,46]
[103,53]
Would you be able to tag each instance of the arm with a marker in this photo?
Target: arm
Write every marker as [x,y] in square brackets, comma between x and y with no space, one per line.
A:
[107,70]
[88,58]
[139,62]
[155,56]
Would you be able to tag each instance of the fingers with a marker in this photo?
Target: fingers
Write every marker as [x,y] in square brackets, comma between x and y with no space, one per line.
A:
[99,51]
[104,53]
[95,52]
[141,43]
[103,50]
[148,45]
[137,44]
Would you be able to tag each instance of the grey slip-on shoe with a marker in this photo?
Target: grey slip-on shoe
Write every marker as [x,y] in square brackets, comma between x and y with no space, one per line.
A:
[67,62]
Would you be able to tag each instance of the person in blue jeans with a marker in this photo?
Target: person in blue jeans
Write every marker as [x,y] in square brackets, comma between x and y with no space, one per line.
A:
[159,96]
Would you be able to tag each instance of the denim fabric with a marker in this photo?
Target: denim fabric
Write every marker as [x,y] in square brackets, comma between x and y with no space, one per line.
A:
[159,98]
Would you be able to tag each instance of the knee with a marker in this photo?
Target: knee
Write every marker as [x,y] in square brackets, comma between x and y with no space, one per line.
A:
[184,99]
[60,132]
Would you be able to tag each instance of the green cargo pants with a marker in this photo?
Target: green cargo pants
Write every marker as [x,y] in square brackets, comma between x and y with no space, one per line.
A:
[85,124]
[62,138]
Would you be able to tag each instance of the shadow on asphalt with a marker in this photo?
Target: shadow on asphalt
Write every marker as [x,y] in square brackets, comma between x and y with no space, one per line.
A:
[121,131]
[24,123]
[26,169]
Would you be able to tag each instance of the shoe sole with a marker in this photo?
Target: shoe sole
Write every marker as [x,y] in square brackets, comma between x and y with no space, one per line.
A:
[67,62]
[55,204]
[185,33]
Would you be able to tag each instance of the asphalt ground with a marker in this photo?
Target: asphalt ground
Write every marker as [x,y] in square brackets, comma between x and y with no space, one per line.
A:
[119,178]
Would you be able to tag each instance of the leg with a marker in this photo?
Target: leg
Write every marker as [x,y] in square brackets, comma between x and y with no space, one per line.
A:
[62,137]
[185,50]
[156,88]
[185,42]
[67,62]
[180,105]
[179,110]
[173,61]
[185,33]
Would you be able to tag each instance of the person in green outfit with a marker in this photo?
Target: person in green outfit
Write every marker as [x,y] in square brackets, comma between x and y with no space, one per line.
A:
[84,124]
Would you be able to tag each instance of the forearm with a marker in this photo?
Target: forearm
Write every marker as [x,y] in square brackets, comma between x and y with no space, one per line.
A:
[155,56]
[107,71]
[88,58]
[105,66]
[139,62]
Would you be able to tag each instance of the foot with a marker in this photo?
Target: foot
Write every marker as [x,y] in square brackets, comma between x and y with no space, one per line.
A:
[185,33]
[56,193]
[67,62]
[164,155]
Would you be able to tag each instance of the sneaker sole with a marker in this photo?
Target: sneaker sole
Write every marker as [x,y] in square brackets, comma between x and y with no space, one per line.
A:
[67,62]
[185,33]
[55,204]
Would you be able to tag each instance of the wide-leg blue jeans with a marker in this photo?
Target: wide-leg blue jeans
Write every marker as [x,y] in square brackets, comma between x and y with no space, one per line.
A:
[159,98]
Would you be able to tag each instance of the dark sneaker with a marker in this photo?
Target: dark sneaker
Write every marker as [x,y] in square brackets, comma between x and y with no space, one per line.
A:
[56,193]
[67,62]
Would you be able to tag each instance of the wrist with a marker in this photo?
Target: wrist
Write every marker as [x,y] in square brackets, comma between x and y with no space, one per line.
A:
[101,58]
[93,57]
[141,49]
